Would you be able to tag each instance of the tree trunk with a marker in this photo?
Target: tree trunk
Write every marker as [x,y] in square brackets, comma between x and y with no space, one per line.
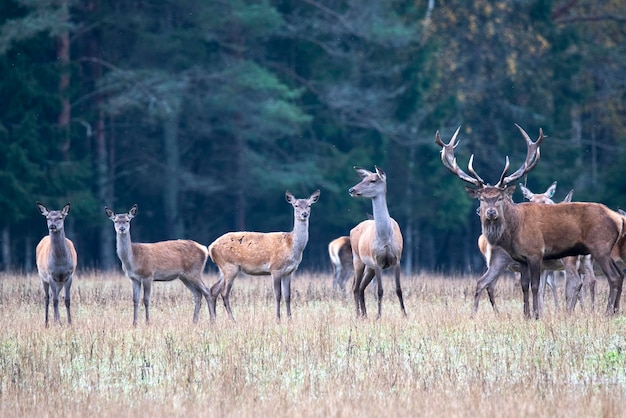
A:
[63,56]
[171,185]
[6,249]
[105,195]
[240,192]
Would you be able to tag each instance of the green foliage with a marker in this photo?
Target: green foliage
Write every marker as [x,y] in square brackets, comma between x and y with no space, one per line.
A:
[248,98]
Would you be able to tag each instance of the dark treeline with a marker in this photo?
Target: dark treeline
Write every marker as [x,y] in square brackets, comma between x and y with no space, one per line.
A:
[205,112]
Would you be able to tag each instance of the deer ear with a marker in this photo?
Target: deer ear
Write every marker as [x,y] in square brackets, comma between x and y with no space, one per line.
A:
[289,197]
[362,172]
[42,209]
[381,173]
[133,211]
[509,190]
[315,196]
[551,190]
[109,213]
[527,193]
[66,209]
[474,193]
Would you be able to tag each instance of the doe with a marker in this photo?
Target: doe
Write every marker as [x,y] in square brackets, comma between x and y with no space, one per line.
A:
[56,260]
[159,261]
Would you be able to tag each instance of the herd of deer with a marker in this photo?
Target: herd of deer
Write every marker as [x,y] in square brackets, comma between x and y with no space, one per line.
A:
[534,238]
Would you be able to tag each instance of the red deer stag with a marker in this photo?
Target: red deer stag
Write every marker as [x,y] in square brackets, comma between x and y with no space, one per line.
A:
[498,261]
[531,232]
[56,260]
[376,243]
[160,262]
[340,253]
[276,254]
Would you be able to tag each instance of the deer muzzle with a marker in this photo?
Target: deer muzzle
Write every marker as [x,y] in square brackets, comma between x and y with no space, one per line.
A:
[491,214]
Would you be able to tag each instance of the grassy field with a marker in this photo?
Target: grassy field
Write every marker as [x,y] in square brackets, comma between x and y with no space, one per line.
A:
[323,362]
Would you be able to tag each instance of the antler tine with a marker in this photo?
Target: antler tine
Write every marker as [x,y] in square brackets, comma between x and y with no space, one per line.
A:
[532,158]
[470,168]
[449,161]
[502,182]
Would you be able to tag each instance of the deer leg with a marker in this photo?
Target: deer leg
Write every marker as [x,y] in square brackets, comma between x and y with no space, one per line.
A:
[55,301]
[197,297]
[68,286]
[147,290]
[589,279]
[573,285]
[277,294]
[525,283]
[378,274]
[343,280]
[46,291]
[136,292]
[209,299]
[488,281]
[226,287]
[543,278]
[336,278]
[359,269]
[367,278]
[534,268]
[399,288]
[619,283]
[286,288]
[551,282]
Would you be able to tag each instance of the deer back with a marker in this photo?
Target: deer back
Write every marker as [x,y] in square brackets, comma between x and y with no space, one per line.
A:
[255,252]
[562,230]
[166,259]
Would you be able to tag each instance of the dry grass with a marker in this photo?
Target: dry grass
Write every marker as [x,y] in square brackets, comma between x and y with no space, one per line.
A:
[322,362]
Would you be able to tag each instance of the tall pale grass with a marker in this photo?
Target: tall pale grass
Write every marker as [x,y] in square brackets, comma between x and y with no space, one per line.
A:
[322,362]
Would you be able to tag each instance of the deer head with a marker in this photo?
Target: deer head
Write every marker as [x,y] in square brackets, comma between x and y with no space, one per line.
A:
[54,218]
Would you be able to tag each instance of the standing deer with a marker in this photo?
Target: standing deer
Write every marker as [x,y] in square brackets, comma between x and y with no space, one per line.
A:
[276,254]
[376,243]
[531,232]
[56,260]
[498,261]
[161,262]
[340,253]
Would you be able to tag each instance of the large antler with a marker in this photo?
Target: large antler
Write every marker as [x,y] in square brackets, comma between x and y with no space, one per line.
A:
[532,158]
[449,161]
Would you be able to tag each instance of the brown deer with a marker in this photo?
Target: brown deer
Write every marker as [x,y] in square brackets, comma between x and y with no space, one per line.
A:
[531,232]
[162,261]
[340,253]
[56,260]
[499,261]
[276,254]
[376,243]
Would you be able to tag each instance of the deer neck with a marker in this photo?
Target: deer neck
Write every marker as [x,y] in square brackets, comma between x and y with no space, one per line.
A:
[300,235]
[59,248]
[382,220]
[124,249]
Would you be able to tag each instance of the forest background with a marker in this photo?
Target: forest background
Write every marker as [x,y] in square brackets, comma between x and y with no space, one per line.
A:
[205,112]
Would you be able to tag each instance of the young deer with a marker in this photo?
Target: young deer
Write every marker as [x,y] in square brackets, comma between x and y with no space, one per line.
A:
[159,261]
[530,233]
[340,253]
[56,260]
[376,243]
[276,254]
